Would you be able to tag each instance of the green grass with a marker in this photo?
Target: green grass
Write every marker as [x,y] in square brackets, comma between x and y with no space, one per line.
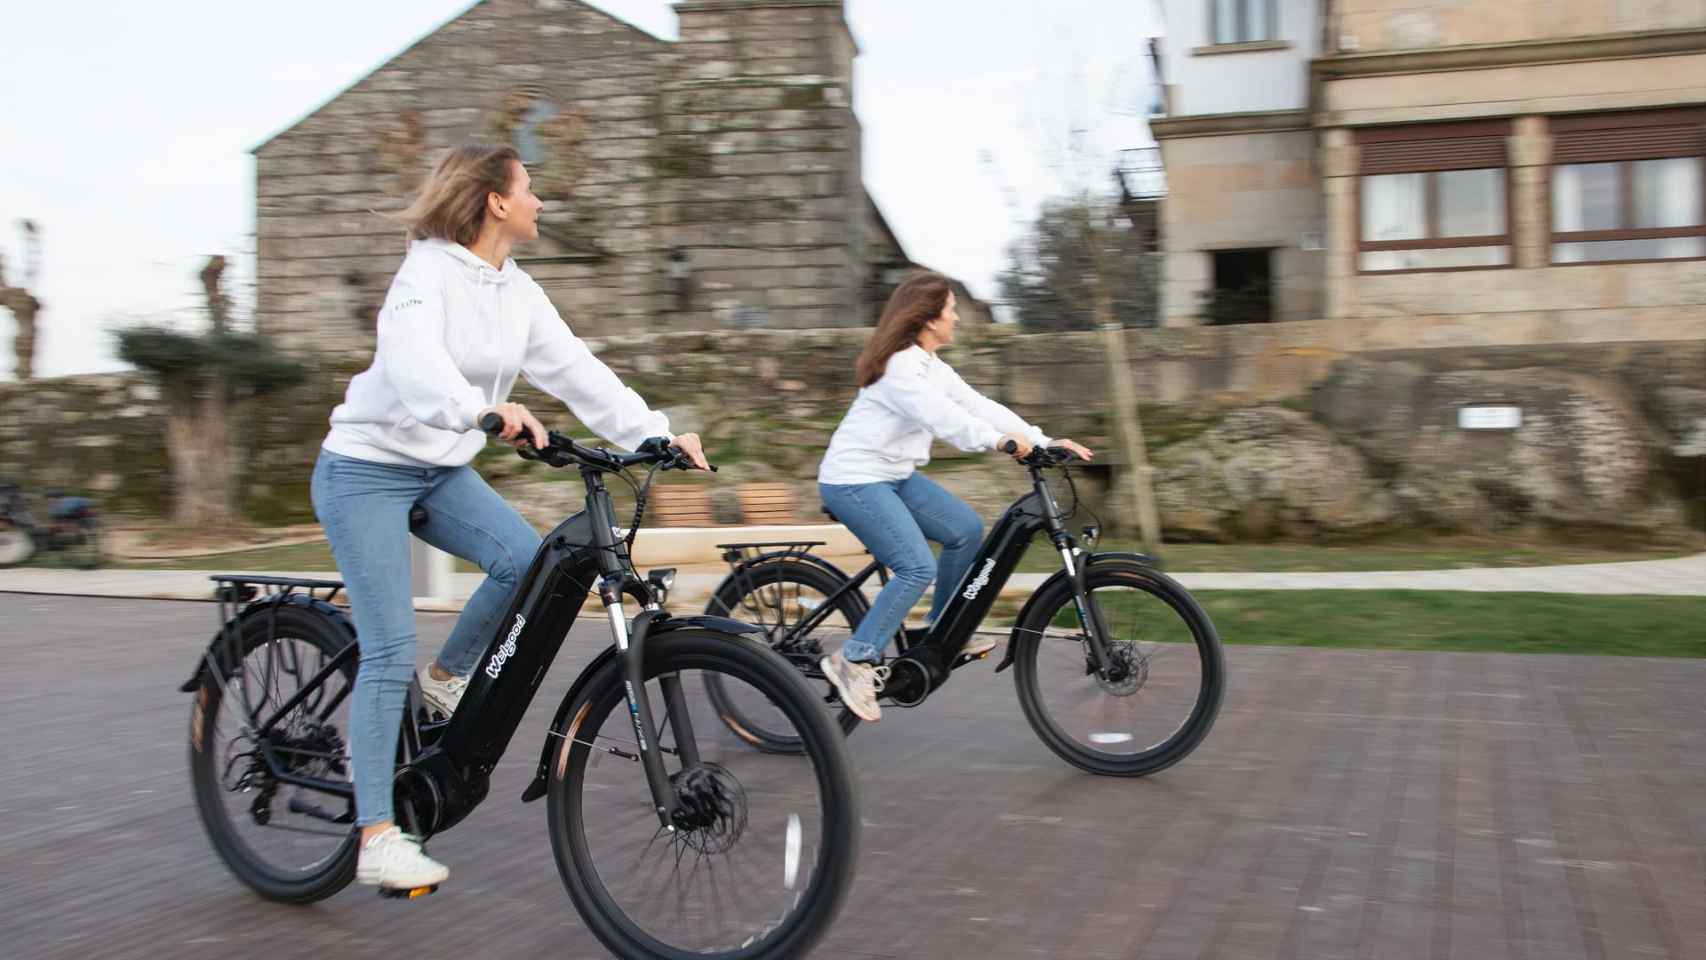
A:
[1635,626]
[1639,626]
[1439,554]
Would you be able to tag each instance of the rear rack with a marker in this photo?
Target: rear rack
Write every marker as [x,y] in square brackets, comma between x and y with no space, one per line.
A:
[240,588]
[235,591]
[743,553]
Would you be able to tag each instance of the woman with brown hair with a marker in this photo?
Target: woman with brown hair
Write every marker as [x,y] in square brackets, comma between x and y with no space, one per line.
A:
[869,476]
[460,323]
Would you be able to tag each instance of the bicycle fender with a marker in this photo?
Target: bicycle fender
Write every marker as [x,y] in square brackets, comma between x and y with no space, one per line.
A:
[254,609]
[1059,577]
[659,626]
[781,555]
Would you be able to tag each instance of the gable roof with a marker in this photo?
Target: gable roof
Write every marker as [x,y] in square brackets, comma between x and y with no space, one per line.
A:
[346,88]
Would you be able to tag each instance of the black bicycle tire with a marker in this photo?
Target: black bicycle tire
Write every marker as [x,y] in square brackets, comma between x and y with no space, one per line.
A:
[1184,740]
[598,700]
[292,623]
[726,603]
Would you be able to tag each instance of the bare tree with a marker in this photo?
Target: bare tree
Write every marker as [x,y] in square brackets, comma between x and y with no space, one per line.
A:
[203,377]
[1089,220]
[24,304]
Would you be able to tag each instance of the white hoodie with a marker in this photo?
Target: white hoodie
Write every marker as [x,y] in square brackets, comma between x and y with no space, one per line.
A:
[453,335]
[886,433]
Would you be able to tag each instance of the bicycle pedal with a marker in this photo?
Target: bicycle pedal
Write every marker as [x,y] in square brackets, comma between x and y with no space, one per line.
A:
[406,893]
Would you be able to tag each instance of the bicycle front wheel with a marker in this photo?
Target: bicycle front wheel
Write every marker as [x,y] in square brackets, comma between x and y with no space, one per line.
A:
[1162,692]
[761,871]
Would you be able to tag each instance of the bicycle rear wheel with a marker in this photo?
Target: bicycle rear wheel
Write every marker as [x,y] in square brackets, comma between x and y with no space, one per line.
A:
[779,596]
[762,869]
[285,842]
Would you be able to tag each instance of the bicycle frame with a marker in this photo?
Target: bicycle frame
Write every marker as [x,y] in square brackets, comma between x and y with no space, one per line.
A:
[584,553]
[998,555]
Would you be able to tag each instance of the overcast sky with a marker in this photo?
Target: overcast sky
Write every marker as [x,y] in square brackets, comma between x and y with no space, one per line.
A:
[125,128]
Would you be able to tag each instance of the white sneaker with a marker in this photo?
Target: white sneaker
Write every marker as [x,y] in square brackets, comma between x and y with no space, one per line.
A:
[979,644]
[856,683]
[394,859]
[441,696]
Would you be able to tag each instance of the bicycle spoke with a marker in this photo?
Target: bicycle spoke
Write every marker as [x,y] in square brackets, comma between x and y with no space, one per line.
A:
[700,889]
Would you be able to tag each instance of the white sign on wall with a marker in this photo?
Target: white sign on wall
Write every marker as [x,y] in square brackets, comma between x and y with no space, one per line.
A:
[1489,417]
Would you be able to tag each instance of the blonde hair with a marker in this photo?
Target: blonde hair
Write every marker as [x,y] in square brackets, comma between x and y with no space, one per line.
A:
[452,203]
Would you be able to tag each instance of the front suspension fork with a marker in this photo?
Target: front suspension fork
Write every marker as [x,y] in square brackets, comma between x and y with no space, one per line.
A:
[1089,614]
[631,645]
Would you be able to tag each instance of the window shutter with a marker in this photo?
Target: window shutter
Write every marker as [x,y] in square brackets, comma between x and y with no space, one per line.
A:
[1606,144]
[1419,149]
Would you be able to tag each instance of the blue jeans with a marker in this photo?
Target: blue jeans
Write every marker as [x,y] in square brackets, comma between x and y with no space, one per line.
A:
[893,519]
[364,508]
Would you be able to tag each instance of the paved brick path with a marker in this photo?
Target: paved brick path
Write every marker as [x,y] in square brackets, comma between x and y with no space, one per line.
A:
[1348,804]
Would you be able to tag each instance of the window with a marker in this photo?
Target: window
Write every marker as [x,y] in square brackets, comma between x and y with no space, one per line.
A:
[1629,187]
[1242,21]
[529,145]
[1433,198]
[1243,288]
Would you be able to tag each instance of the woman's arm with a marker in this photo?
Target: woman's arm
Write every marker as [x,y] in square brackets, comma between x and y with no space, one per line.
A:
[992,412]
[906,389]
[559,363]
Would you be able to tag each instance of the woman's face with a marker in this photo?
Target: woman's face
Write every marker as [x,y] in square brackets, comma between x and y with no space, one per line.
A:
[519,209]
[943,326]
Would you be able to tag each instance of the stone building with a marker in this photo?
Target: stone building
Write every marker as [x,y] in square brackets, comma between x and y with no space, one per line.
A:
[1438,172]
[705,183]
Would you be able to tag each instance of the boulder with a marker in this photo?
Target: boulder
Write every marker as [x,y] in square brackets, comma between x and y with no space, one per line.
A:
[1581,455]
[1265,473]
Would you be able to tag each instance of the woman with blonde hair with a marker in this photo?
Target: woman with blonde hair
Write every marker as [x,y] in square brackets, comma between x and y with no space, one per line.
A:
[460,323]
[869,477]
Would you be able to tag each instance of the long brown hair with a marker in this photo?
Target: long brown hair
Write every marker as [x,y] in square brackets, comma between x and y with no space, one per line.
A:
[919,299]
[452,203]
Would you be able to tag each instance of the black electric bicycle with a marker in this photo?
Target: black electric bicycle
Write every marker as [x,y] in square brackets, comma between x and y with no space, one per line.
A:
[671,840]
[1119,669]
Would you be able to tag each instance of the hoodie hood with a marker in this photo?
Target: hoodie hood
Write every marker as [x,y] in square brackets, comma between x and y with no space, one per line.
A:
[467,258]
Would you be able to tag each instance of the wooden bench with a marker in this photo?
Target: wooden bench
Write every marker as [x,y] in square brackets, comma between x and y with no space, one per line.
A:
[680,505]
[767,503]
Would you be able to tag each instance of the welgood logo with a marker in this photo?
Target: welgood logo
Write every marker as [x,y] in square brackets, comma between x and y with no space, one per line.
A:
[982,580]
[496,666]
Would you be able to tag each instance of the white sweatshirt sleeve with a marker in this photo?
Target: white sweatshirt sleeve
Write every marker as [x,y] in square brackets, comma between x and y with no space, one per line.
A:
[417,364]
[559,363]
[991,412]
[906,389]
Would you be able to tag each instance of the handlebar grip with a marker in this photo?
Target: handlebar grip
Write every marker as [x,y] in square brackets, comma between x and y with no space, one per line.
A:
[492,423]
[1011,446]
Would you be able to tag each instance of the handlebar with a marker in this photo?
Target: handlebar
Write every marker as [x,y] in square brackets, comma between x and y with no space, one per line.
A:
[561,451]
[1040,456]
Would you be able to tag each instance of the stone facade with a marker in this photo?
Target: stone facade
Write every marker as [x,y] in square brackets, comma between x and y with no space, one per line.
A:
[712,182]
[1383,25]
[1214,183]
[1291,181]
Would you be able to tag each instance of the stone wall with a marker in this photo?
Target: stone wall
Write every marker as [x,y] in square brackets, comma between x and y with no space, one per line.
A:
[102,434]
[1274,395]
